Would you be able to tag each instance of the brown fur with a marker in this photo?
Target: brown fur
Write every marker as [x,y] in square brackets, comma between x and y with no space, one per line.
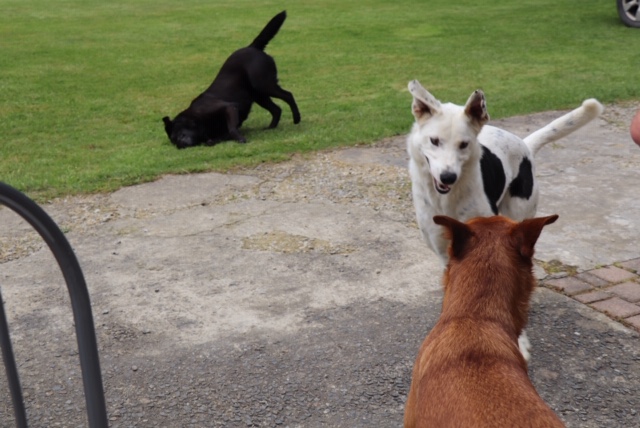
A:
[469,371]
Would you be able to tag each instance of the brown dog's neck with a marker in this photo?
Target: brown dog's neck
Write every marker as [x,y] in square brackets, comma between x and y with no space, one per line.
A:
[496,292]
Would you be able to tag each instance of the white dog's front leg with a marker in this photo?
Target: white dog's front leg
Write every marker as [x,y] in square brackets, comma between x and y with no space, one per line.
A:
[525,345]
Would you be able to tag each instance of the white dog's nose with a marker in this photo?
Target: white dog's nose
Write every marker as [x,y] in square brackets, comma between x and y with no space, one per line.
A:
[448,178]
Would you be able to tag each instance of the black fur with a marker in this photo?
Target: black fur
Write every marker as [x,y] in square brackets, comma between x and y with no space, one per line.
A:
[249,75]
[493,177]
[522,185]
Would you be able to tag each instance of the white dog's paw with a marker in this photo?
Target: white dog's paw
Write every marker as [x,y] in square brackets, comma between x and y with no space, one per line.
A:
[525,346]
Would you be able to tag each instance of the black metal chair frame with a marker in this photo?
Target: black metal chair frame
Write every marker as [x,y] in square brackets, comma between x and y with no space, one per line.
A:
[80,304]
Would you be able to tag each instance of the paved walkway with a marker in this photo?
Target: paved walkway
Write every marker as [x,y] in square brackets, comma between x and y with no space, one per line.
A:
[592,180]
[613,290]
[297,294]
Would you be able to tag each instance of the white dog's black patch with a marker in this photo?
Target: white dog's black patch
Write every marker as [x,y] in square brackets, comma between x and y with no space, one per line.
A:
[522,185]
[493,177]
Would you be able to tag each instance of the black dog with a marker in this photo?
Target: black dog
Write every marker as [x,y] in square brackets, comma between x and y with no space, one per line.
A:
[249,75]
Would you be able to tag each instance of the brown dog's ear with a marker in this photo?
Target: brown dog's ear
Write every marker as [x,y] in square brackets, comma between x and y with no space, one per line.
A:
[459,233]
[424,104]
[476,109]
[527,232]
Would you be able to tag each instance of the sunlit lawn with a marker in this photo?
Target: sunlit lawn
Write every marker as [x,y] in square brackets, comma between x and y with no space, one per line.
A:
[83,84]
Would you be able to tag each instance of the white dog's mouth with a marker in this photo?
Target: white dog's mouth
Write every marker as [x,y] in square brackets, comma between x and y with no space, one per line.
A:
[443,189]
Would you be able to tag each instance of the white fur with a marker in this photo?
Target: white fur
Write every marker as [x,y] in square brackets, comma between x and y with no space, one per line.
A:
[466,199]
[452,125]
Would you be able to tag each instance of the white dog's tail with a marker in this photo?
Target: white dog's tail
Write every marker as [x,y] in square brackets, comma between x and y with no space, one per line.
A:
[565,125]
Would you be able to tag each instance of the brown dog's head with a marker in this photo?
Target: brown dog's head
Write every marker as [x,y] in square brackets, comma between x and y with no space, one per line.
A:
[492,256]
[497,233]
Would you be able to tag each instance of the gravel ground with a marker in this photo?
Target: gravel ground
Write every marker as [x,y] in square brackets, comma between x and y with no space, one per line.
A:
[351,369]
[289,295]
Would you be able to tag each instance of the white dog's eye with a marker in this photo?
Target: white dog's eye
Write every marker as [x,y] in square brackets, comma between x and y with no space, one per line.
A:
[464,144]
[435,141]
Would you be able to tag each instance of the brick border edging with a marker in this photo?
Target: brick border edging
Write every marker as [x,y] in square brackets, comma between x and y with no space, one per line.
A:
[613,290]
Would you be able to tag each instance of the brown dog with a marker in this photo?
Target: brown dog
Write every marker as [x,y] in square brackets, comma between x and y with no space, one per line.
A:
[469,371]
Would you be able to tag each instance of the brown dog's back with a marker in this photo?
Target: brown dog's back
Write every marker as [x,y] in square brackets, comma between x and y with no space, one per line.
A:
[469,371]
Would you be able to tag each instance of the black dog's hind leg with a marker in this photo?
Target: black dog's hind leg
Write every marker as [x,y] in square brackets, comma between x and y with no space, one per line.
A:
[265,86]
[287,97]
[266,103]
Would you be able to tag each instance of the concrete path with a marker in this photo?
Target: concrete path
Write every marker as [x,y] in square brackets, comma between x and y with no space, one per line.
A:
[297,294]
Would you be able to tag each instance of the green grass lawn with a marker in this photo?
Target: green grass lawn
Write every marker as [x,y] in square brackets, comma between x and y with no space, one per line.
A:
[84,83]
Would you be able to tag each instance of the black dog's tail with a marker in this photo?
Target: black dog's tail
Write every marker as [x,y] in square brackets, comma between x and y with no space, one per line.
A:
[270,31]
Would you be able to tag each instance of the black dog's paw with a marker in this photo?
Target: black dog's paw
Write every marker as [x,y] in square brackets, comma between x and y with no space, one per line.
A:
[234,134]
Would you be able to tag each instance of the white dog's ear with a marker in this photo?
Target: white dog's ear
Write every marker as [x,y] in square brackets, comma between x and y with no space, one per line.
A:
[423,102]
[476,108]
